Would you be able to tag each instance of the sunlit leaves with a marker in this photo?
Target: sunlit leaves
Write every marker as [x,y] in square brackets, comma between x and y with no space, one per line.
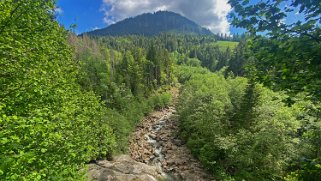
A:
[268,17]
[48,126]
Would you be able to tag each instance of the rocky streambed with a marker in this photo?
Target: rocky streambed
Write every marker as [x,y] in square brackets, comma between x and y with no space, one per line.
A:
[156,153]
[156,142]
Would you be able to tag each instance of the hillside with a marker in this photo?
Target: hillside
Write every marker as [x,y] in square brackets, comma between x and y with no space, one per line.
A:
[150,24]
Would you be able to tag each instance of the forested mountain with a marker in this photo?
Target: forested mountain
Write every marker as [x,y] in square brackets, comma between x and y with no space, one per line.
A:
[152,24]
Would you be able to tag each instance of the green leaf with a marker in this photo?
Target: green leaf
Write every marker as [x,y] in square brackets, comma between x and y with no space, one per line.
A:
[43,150]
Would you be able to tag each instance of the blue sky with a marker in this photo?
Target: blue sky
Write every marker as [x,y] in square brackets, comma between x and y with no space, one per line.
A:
[92,14]
[86,14]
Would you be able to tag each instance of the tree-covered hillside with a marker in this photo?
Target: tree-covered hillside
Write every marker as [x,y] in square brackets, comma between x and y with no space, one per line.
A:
[153,24]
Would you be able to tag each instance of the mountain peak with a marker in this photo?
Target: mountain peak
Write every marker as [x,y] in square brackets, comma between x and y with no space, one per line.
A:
[150,24]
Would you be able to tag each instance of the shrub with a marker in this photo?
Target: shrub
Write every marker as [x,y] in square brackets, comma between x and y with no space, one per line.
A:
[159,101]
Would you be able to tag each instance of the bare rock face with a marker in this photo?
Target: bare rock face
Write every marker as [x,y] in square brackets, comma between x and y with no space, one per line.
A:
[124,168]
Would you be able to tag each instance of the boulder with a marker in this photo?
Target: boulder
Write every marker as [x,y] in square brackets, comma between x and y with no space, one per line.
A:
[124,168]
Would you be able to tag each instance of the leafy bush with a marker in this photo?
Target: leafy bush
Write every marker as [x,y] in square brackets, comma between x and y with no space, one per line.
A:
[184,73]
[306,166]
[160,100]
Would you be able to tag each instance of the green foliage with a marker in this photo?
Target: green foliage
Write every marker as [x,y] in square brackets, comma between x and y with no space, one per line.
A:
[185,73]
[280,66]
[49,127]
[125,78]
[161,100]
[60,109]
[288,59]
[307,165]
[184,50]
[109,71]
[237,128]
[268,16]
[227,44]
[239,60]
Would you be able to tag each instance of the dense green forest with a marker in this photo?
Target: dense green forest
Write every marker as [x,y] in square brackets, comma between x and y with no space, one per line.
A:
[249,109]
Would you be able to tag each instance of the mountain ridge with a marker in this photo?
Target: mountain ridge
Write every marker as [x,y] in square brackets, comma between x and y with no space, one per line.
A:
[150,24]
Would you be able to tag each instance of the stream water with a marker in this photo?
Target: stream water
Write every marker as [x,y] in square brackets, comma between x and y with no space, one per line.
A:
[151,137]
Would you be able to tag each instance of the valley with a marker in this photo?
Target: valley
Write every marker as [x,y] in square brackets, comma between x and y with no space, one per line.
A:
[158,150]
[158,96]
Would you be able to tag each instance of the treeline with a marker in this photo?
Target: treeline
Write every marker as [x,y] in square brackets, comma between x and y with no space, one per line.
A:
[234,37]
[241,130]
[206,51]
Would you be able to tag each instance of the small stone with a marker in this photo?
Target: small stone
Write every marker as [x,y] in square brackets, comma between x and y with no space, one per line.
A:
[156,154]
[152,136]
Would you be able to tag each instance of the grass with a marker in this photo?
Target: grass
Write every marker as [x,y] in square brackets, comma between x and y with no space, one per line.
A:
[225,44]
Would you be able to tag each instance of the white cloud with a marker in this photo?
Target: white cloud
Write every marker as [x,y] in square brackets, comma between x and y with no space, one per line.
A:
[95,28]
[58,10]
[208,13]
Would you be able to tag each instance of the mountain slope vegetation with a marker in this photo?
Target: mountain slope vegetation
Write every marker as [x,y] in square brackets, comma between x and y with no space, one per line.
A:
[153,24]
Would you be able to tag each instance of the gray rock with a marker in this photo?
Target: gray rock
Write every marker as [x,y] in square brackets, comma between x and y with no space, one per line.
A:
[124,168]
[106,175]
